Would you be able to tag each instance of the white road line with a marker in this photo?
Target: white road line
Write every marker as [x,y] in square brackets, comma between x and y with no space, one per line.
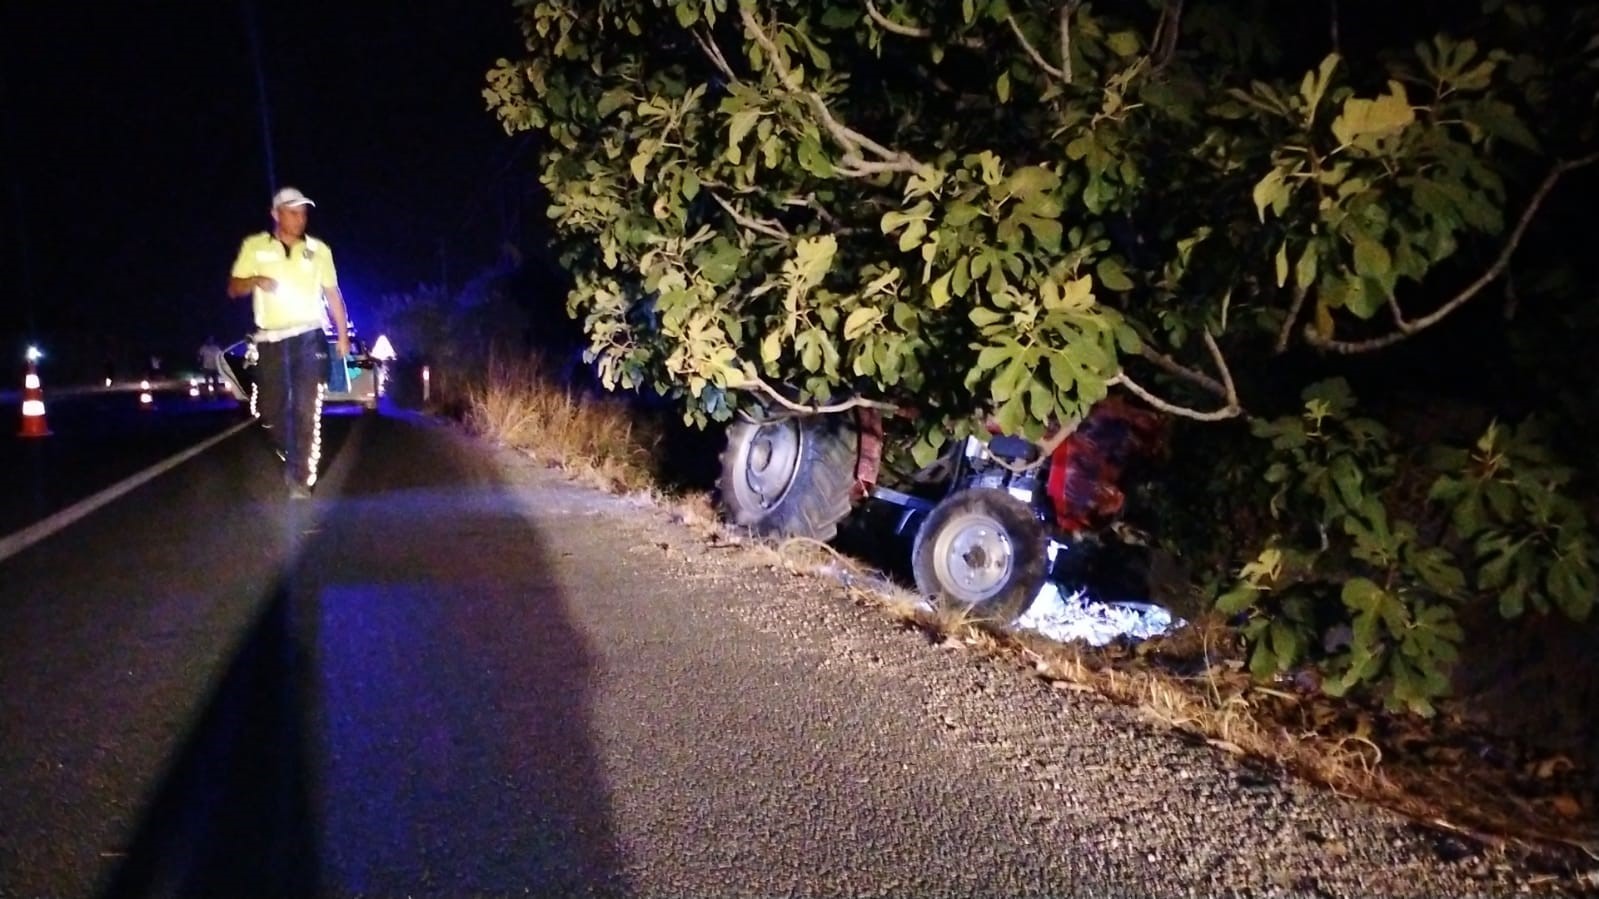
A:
[21,540]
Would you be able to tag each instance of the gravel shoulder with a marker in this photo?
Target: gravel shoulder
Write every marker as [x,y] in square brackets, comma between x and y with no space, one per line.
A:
[761,732]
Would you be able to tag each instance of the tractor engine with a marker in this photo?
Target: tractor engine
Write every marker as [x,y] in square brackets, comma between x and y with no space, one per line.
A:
[986,466]
[1080,486]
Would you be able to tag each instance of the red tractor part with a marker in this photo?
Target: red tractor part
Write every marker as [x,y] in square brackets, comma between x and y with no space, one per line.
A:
[1085,470]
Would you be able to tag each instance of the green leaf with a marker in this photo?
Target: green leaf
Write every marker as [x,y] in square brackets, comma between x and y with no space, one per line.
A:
[814,258]
[1262,662]
[1005,384]
[1040,400]
[1002,87]
[1282,263]
[1513,601]
[720,261]
[1123,43]
[1075,296]
[1371,258]
[1361,299]
[1363,596]
[1046,231]
[812,159]
[771,347]
[984,317]
[1438,571]
[838,18]
[1467,515]
[1314,84]
[1112,276]
[1571,586]
[1363,121]
[1349,480]
[960,214]
[1271,191]
[1236,600]
[810,350]
[940,290]
[1305,270]
[1499,119]
[1286,644]
[640,165]
[738,128]
[992,357]
[859,321]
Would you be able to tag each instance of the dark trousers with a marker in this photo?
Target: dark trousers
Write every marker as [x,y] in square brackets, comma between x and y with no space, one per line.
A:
[290,373]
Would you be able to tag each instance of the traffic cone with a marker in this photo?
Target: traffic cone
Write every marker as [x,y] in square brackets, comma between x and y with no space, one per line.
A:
[33,423]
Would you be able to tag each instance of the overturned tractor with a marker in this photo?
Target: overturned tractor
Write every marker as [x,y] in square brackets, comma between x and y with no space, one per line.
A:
[991,520]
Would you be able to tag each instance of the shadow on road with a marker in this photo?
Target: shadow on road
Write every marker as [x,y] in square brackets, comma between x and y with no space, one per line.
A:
[234,816]
[408,715]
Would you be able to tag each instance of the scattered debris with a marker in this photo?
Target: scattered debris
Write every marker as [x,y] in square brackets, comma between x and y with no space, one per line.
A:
[1068,617]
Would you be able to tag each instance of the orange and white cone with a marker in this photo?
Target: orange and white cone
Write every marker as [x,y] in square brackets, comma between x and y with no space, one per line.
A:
[33,423]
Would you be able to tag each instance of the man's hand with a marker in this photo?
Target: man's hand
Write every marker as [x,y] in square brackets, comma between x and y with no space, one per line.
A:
[239,288]
[344,345]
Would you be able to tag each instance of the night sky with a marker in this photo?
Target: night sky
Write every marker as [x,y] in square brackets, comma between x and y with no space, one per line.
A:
[132,146]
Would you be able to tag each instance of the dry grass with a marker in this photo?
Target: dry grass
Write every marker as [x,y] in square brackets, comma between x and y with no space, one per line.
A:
[597,440]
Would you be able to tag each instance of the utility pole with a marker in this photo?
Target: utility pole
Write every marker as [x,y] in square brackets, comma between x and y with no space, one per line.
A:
[261,94]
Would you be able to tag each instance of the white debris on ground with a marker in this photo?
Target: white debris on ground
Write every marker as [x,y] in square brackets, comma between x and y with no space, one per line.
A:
[1065,617]
[1059,615]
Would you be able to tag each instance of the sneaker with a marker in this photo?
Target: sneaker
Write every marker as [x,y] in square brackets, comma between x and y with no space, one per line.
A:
[298,490]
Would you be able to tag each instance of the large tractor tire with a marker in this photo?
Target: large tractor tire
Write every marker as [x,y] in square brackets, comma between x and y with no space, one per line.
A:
[984,551]
[790,477]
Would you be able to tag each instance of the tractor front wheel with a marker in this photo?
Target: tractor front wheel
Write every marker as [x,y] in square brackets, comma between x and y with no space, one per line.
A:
[982,550]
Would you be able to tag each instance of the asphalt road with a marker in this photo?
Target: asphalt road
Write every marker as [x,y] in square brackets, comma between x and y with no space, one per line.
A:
[97,439]
[445,676]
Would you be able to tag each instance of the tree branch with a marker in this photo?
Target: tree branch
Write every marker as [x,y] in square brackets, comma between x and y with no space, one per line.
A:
[1066,39]
[1286,333]
[1227,389]
[760,386]
[1038,58]
[760,226]
[714,54]
[1166,33]
[893,27]
[1500,265]
[1176,369]
[851,140]
[890,25]
[1399,314]
[853,166]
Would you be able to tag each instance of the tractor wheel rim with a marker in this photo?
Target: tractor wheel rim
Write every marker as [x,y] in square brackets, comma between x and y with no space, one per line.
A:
[771,462]
[973,558]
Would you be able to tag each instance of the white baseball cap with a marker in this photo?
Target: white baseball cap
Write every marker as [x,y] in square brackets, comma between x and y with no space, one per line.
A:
[290,196]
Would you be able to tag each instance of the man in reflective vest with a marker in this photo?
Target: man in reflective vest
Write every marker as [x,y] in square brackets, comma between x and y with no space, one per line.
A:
[289,275]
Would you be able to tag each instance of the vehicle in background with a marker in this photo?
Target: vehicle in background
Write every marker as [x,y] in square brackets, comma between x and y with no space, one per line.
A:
[357,379]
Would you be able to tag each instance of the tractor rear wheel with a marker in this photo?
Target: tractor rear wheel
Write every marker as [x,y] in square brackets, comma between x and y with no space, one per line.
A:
[792,476]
